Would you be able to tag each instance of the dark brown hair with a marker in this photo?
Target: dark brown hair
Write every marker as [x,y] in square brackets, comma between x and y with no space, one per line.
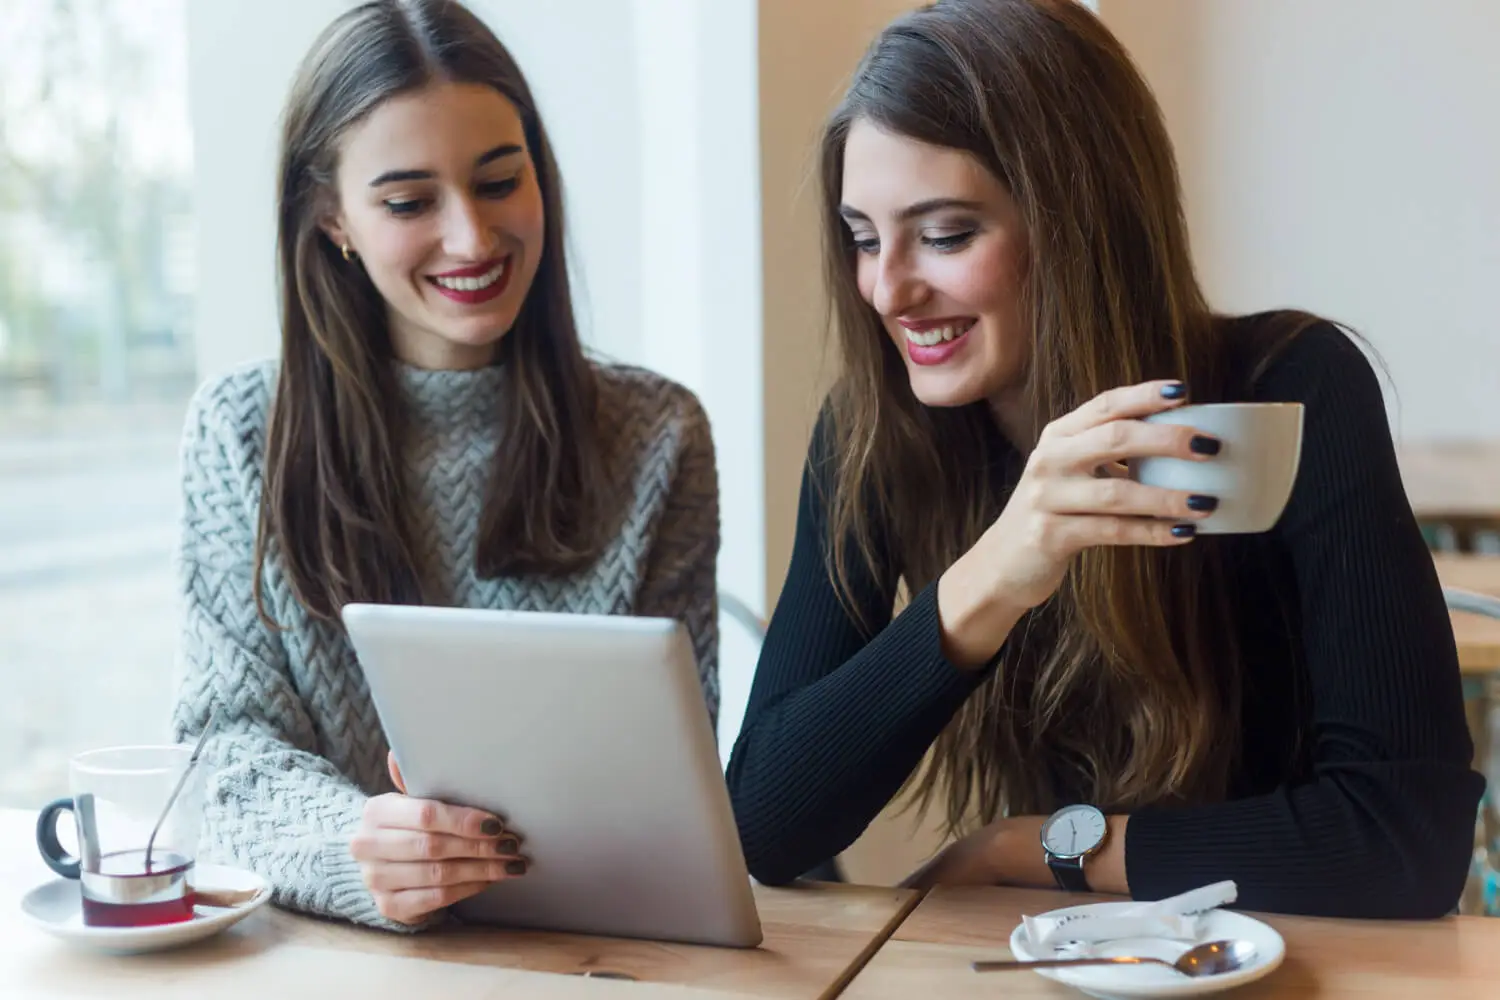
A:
[1126,684]
[334,503]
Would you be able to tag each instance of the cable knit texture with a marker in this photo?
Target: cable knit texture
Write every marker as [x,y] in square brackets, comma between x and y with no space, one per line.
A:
[298,747]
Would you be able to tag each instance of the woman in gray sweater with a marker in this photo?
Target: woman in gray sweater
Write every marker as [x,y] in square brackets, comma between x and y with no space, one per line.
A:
[432,433]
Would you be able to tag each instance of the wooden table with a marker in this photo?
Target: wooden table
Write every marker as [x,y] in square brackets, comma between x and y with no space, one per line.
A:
[1452,959]
[816,938]
[1478,640]
[1478,637]
[1454,484]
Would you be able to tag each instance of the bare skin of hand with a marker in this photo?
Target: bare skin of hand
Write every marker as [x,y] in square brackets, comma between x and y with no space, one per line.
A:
[1071,496]
[966,861]
[1009,852]
[419,856]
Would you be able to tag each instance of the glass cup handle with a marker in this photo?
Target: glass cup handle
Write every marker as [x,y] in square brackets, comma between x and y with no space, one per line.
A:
[47,843]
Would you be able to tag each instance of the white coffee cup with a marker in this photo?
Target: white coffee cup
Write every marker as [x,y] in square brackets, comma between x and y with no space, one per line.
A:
[1253,473]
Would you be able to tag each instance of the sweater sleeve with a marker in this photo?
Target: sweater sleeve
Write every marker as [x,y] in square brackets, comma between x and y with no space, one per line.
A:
[1384,827]
[836,719]
[272,804]
[682,567]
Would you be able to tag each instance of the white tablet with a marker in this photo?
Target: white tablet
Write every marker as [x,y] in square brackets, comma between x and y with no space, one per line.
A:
[589,735]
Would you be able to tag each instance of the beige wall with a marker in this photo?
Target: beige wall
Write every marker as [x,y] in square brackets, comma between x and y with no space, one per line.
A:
[1343,155]
[807,53]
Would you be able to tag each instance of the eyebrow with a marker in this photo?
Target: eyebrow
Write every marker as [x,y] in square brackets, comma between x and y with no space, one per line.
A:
[394,176]
[850,213]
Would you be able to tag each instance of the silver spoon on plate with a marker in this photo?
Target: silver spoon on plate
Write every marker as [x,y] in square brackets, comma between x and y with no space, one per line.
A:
[1214,958]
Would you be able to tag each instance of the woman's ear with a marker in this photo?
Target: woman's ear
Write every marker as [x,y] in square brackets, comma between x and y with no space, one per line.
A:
[333,228]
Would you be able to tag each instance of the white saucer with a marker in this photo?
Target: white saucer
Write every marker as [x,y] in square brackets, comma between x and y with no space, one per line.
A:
[1117,981]
[57,908]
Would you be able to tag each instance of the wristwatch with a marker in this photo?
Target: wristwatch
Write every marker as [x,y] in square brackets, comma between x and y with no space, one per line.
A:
[1071,835]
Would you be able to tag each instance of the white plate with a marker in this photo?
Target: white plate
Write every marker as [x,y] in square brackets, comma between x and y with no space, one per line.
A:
[56,908]
[1115,981]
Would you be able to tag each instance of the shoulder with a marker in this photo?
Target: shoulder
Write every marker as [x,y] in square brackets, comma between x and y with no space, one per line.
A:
[650,409]
[821,479]
[1294,357]
[236,402]
[224,431]
[1347,458]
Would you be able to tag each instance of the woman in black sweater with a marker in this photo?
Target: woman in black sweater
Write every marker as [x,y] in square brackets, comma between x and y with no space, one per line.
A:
[1012,292]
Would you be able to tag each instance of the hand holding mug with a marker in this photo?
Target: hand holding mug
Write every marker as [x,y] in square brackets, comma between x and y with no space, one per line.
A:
[1067,500]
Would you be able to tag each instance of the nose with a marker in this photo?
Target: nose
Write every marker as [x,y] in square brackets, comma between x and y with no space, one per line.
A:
[466,234]
[898,287]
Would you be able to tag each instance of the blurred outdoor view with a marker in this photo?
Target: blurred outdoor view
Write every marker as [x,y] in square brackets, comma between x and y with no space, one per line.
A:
[96,366]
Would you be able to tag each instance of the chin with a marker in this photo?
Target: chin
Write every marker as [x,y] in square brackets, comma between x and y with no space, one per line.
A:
[477,333]
[487,337]
[944,390]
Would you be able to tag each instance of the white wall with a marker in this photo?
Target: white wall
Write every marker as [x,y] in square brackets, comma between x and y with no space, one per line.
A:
[241,58]
[1342,156]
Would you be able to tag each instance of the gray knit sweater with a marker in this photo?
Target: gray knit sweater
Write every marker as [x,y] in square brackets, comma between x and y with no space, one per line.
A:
[298,745]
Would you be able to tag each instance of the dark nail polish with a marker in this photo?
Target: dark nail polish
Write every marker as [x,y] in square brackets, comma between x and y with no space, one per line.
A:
[1205,445]
[507,845]
[491,828]
[1201,502]
[1184,530]
[516,867]
[1174,391]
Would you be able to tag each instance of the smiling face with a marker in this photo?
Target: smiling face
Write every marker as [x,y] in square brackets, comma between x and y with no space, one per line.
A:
[438,197]
[940,252]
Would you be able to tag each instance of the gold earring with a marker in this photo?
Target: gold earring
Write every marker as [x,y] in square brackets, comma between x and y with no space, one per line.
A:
[348,254]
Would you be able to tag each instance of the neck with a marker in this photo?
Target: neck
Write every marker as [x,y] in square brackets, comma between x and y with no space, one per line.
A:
[1013,414]
[428,351]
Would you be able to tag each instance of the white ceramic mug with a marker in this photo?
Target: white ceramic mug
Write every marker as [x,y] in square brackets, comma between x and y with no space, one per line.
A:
[1253,474]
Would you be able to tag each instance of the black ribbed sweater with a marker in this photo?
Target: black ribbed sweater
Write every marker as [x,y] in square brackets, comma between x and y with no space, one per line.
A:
[1347,647]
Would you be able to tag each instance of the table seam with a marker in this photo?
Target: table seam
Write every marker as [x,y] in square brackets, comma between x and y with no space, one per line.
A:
[868,952]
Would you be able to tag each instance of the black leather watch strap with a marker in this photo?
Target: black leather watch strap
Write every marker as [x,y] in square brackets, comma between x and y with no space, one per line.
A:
[1069,874]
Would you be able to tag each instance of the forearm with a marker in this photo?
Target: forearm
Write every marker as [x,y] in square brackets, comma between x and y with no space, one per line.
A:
[813,766]
[1348,848]
[286,815]
[974,618]
[1375,840]
[1017,857]
[269,804]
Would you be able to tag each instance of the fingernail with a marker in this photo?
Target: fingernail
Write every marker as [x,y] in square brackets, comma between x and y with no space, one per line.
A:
[1175,390]
[515,867]
[491,828]
[1205,445]
[507,845]
[1184,530]
[1201,502]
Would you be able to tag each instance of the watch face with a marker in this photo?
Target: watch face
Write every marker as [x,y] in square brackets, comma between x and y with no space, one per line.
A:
[1074,831]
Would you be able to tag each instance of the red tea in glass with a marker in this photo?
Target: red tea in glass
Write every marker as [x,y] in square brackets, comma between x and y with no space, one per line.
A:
[137,813]
[125,893]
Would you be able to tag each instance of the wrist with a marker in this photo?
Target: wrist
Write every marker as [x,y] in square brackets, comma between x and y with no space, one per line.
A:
[1014,852]
[975,620]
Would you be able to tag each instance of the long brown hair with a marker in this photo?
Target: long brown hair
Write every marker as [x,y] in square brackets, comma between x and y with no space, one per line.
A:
[1125,686]
[334,504]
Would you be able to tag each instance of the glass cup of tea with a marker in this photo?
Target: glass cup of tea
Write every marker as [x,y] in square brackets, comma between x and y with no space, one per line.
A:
[127,877]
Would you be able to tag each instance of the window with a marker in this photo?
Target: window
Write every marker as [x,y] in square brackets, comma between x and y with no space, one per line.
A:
[96,366]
